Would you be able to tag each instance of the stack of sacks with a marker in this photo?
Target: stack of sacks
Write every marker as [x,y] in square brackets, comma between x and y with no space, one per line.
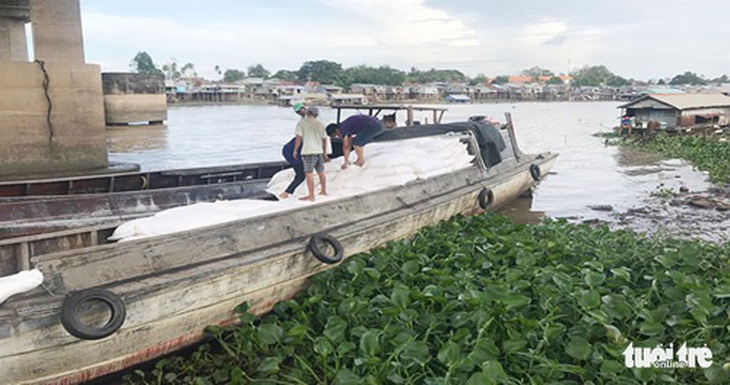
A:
[387,164]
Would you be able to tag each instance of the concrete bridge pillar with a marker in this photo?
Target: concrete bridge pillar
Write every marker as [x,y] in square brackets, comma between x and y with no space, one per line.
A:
[51,112]
[57,35]
[13,43]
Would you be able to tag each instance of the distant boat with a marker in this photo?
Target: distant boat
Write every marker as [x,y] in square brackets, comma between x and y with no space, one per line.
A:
[163,291]
[38,206]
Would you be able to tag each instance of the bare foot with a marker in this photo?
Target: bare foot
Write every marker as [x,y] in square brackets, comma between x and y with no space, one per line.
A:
[344,166]
[323,193]
[284,195]
[359,163]
[311,199]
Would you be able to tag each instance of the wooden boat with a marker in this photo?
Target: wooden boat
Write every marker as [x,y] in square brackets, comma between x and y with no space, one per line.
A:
[39,206]
[166,289]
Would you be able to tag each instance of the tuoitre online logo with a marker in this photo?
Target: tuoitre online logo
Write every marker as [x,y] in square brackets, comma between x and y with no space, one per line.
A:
[660,357]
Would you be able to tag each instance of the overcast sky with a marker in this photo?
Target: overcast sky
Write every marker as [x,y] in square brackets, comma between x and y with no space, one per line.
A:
[634,39]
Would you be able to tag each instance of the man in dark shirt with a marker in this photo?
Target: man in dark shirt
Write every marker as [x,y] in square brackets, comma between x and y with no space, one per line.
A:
[355,131]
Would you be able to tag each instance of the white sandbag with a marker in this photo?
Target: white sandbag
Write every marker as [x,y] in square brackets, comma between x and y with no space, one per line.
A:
[19,283]
[388,164]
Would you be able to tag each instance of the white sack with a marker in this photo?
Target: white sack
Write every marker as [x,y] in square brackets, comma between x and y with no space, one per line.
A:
[19,283]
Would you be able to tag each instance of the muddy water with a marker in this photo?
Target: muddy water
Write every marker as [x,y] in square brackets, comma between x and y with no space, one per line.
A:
[588,173]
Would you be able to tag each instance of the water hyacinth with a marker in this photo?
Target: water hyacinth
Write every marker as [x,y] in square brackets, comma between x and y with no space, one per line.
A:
[481,300]
[706,153]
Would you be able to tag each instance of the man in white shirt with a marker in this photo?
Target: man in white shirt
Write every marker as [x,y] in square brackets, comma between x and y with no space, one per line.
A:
[312,138]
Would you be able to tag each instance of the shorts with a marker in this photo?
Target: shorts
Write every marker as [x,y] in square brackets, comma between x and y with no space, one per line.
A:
[367,134]
[313,162]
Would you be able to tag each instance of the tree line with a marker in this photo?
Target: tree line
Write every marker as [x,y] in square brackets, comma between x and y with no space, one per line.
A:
[330,72]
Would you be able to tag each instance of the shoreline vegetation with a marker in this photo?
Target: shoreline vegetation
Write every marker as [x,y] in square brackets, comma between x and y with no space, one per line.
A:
[482,300]
[707,153]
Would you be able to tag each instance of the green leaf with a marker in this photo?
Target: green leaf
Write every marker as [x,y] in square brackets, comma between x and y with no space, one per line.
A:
[372,273]
[297,330]
[335,328]
[356,266]
[622,273]
[417,351]
[651,328]
[494,372]
[410,268]
[515,300]
[614,335]
[594,279]
[346,377]
[589,299]
[578,348]
[345,347]
[269,334]
[616,306]
[478,378]
[722,291]
[369,343]
[514,345]
[401,297]
[449,353]
[612,367]
[563,281]
[716,374]
[269,365]
[322,346]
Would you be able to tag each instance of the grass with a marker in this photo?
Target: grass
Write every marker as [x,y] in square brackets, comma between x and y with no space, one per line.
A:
[481,300]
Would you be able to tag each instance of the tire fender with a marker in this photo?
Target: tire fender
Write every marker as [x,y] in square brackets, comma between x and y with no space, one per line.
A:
[320,254]
[485,198]
[75,327]
[535,172]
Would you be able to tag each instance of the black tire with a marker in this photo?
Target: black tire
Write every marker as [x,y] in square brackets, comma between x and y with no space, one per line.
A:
[535,172]
[76,328]
[319,254]
[485,198]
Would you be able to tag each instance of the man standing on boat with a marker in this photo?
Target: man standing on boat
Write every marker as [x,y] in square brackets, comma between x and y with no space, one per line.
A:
[312,139]
[355,131]
[295,162]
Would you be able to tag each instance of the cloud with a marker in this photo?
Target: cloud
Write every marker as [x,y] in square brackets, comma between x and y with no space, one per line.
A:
[545,33]
[408,22]
[113,40]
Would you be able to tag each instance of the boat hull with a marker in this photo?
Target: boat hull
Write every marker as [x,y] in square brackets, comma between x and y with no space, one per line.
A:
[175,286]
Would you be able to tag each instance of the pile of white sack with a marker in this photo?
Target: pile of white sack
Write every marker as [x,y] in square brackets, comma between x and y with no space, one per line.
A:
[387,164]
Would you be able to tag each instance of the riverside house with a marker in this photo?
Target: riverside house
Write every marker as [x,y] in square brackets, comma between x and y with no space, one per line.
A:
[680,111]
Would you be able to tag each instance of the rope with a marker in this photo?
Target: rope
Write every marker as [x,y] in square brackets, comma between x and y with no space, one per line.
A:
[46,83]
[52,293]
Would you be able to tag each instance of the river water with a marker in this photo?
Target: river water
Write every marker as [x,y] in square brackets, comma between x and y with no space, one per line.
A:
[587,173]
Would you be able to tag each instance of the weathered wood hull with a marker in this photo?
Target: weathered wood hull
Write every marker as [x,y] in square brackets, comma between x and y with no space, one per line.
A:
[174,286]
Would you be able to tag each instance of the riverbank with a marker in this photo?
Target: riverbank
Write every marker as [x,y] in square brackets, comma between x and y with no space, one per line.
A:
[482,300]
[674,208]
[263,102]
[708,153]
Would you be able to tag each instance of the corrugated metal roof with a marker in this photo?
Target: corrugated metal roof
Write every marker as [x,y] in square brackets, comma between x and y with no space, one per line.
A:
[686,101]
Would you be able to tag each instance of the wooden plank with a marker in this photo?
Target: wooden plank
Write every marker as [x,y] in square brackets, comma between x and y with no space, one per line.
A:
[23,256]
